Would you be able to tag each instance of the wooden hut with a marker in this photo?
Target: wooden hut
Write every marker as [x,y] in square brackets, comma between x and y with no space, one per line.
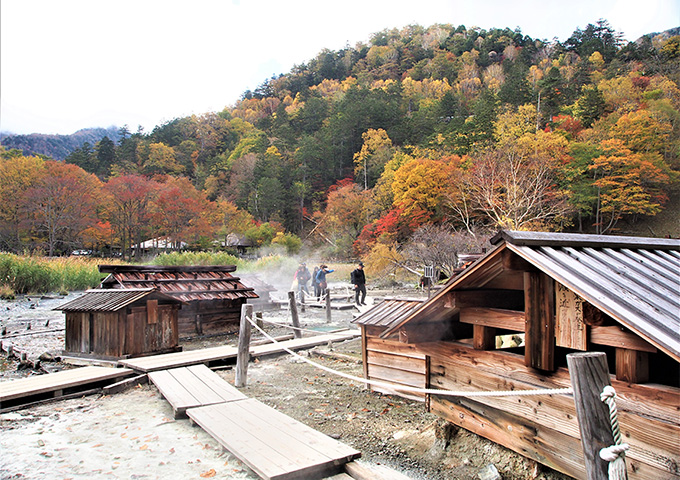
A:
[387,360]
[212,295]
[563,293]
[121,323]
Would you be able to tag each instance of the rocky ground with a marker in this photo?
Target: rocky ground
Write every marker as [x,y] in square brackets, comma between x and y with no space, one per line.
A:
[131,435]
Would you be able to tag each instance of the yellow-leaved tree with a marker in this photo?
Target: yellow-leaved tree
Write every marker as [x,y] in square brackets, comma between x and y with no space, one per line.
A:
[375,152]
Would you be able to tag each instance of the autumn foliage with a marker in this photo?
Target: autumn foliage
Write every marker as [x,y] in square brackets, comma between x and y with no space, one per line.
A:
[357,150]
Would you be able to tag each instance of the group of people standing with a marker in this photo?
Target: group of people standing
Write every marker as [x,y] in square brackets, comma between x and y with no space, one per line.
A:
[318,278]
[320,285]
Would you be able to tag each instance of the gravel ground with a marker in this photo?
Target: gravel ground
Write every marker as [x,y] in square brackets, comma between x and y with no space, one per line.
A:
[131,435]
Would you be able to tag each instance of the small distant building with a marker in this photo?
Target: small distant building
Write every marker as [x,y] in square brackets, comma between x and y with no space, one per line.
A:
[212,296]
[115,324]
[240,242]
[158,244]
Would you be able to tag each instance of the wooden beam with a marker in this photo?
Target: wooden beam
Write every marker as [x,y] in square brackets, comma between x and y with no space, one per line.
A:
[512,261]
[151,312]
[539,301]
[484,338]
[181,280]
[494,317]
[619,337]
[222,290]
[163,268]
[632,366]
[487,298]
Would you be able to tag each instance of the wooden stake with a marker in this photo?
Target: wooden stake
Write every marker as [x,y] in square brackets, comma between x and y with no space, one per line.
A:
[243,354]
[589,375]
[328,306]
[294,313]
[302,301]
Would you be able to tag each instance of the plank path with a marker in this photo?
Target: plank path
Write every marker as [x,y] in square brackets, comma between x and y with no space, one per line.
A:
[56,384]
[273,445]
[193,357]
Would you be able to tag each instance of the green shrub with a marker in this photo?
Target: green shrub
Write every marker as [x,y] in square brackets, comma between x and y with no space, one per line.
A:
[197,258]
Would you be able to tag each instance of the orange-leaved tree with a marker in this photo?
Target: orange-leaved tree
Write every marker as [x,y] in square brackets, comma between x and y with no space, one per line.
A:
[61,205]
[627,183]
[127,208]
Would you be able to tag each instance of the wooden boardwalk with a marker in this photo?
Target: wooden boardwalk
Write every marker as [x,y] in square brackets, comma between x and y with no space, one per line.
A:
[207,355]
[273,445]
[194,386]
[38,387]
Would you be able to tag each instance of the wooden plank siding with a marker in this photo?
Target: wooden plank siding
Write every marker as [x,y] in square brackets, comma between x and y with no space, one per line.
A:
[545,427]
[397,363]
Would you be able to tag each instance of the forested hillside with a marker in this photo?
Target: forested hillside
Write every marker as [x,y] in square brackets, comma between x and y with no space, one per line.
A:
[370,149]
[57,147]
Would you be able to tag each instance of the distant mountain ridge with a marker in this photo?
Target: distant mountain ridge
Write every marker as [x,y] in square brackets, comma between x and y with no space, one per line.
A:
[57,147]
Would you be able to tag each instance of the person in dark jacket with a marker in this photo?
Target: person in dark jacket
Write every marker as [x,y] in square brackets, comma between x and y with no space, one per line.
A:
[358,279]
[315,283]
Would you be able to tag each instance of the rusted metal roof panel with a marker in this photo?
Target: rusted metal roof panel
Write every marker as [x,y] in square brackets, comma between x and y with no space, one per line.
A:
[109,300]
[388,312]
[184,283]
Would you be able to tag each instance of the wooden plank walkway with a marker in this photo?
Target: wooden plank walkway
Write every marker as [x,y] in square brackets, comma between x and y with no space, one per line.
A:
[55,384]
[207,355]
[194,386]
[273,445]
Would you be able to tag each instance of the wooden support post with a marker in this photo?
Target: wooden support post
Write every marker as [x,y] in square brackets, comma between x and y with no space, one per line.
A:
[294,313]
[589,375]
[632,366]
[243,353]
[328,306]
[302,301]
[539,307]
[483,338]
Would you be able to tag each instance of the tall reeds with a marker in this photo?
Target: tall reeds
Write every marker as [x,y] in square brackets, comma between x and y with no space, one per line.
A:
[21,274]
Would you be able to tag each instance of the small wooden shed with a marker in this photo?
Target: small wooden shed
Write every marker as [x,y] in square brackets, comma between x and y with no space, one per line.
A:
[562,293]
[387,360]
[121,323]
[213,297]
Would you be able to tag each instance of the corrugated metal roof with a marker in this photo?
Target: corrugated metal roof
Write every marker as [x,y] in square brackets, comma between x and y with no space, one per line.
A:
[388,312]
[184,283]
[638,288]
[108,300]
[634,280]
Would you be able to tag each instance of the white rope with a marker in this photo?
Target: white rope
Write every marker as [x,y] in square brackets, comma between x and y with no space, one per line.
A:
[317,332]
[406,388]
[614,454]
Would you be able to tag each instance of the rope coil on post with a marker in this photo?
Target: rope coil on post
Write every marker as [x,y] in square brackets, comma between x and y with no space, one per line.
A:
[406,388]
[614,454]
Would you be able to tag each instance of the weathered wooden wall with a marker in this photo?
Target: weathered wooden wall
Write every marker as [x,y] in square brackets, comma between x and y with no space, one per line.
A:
[543,427]
[209,317]
[126,332]
[394,362]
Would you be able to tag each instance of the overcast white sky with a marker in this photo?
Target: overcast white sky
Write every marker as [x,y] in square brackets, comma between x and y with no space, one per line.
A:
[72,64]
